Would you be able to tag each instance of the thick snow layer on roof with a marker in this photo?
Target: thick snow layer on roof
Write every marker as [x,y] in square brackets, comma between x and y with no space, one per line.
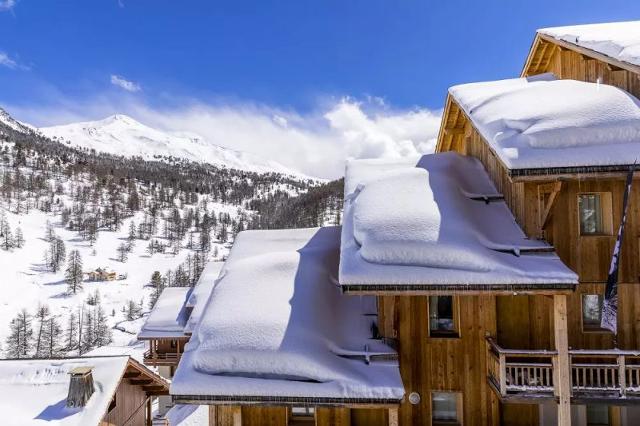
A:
[541,122]
[277,325]
[201,292]
[188,415]
[618,40]
[416,221]
[169,315]
[35,391]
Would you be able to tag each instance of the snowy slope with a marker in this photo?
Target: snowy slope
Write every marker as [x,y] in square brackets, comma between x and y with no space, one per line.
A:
[122,135]
[6,119]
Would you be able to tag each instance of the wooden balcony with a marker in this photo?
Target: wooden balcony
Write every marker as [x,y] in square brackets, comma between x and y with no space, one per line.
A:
[161,358]
[528,376]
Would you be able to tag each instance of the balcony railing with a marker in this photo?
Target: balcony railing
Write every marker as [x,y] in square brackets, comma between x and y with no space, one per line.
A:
[161,358]
[531,374]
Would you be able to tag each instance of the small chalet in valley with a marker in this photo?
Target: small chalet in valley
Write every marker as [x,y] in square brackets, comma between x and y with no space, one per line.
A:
[84,391]
[101,274]
[464,287]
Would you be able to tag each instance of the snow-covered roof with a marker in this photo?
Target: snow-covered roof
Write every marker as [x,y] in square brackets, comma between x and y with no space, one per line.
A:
[618,40]
[169,315]
[277,328]
[35,391]
[543,123]
[200,294]
[424,224]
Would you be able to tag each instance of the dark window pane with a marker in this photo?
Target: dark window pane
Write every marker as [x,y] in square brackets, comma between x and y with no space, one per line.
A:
[441,314]
[444,406]
[590,207]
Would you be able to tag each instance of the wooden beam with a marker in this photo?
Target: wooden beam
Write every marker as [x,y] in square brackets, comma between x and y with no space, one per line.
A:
[393,417]
[131,374]
[141,381]
[149,419]
[548,208]
[563,373]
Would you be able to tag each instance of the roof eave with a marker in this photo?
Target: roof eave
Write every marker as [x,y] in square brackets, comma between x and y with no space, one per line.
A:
[285,401]
[466,289]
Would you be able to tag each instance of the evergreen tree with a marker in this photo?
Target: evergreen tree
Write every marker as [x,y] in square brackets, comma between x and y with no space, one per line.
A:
[19,238]
[102,333]
[20,340]
[42,317]
[133,311]
[156,279]
[7,239]
[52,334]
[123,252]
[73,273]
[71,337]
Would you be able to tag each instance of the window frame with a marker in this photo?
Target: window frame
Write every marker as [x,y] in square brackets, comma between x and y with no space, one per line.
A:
[459,409]
[590,329]
[606,211]
[309,414]
[442,334]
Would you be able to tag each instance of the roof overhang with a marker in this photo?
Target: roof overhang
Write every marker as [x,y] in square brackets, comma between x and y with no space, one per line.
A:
[285,401]
[462,289]
[544,46]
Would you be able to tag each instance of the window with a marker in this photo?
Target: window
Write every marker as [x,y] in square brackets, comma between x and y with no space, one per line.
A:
[595,213]
[303,413]
[446,408]
[597,415]
[591,312]
[442,317]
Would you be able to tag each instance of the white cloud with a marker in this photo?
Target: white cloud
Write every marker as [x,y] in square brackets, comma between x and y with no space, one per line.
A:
[127,85]
[6,5]
[6,61]
[315,143]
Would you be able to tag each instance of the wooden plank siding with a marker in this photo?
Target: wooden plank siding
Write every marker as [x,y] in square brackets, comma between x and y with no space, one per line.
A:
[130,401]
[429,364]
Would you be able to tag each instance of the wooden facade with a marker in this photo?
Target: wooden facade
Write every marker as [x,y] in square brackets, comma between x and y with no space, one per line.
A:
[131,401]
[545,204]
[526,358]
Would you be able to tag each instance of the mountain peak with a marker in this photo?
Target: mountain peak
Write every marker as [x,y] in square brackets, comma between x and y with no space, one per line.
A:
[120,134]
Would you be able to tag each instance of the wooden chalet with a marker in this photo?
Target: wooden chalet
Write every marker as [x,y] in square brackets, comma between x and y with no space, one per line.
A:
[487,303]
[96,390]
[102,274]
[543,351]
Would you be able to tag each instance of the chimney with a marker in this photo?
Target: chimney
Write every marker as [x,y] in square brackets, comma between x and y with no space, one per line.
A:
[80,386]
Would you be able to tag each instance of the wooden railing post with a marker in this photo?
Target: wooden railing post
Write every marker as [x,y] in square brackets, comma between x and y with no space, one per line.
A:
[563,384]
[502,365]
[622,375]
[393,416]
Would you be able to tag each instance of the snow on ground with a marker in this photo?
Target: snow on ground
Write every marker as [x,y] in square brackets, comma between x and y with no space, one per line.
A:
[618,40]
[122,135]
[26,282]
[415,222]
[541,122]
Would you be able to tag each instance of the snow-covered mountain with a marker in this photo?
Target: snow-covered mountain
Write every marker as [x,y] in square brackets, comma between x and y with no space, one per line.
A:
[7,119]
[122,135]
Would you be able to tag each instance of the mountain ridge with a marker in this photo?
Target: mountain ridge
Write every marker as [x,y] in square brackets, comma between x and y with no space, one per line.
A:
[120,134]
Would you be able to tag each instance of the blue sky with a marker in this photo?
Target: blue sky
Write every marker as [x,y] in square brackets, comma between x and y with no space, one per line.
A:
[67,60]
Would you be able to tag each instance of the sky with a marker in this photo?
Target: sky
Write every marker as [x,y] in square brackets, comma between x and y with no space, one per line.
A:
[307,83]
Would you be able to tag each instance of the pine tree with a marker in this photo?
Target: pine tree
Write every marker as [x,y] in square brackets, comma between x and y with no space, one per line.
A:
[71,337]
[20,340]
[123,252]
[7,239]
[87,335]
[133,311]
[73,273]
[49,234]
[19,238]
[156,279]
[52,333]
[102,333]
[42,317]
[55,255]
